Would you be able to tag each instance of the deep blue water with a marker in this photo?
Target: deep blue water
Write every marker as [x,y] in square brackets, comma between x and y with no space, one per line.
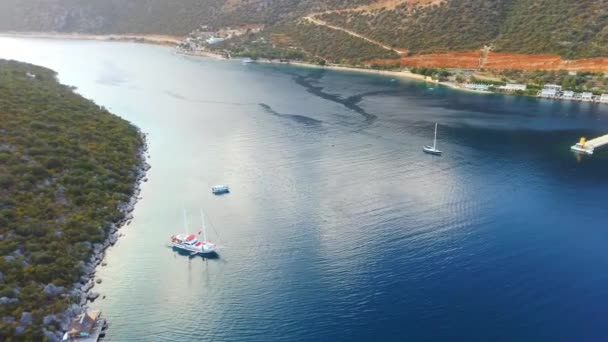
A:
[338,227]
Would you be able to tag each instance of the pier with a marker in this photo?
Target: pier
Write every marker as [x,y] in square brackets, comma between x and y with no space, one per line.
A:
[87,327]
[584,146]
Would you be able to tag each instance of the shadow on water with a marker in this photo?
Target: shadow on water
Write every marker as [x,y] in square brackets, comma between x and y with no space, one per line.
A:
[309,81]
[306,120]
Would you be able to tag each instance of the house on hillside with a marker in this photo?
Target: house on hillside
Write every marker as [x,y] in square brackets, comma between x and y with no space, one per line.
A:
[604,98]
[513,87]
[553,86]
[214,40]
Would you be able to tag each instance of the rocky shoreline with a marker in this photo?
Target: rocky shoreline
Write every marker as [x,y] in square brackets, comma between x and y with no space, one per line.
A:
[82,290]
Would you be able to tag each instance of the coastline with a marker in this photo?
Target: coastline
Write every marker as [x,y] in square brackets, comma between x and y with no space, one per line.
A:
[401,74]
[173,41]
[82,290]
[167,40]
[154,39]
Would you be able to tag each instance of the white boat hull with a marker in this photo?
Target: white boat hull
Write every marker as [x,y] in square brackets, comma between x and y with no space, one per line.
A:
[430,150]
[192,249]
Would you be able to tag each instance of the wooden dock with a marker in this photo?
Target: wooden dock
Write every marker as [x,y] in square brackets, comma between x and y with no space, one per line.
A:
[87,327]
[588,146]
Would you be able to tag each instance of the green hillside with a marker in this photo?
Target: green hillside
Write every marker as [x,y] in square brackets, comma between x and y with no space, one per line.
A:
[151,16]
[572,29]
[65,165]
[569,28]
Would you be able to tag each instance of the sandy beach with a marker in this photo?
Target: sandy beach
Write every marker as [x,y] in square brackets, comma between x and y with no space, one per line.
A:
[392,73]
[138,38]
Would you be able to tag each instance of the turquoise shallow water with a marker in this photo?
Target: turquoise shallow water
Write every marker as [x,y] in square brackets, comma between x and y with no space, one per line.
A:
[338,226]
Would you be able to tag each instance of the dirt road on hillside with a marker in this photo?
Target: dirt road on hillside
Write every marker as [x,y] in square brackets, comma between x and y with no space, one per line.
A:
[313,20]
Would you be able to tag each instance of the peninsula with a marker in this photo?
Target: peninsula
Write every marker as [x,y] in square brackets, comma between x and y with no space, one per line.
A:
[69,173]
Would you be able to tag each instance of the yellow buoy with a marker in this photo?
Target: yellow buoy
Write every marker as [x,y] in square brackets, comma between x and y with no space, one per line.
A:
[582,141]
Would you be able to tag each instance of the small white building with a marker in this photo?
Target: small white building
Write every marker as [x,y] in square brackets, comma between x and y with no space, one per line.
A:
[587,96]
[553,86]
[513,87]
[568,94]
[214,40]
[604,98]
[548,93]
[477,86]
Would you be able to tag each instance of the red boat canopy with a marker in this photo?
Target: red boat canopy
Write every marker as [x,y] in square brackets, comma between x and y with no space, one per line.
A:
[190,237]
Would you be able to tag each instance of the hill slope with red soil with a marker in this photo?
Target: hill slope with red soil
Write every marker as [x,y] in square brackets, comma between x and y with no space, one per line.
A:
[501,61]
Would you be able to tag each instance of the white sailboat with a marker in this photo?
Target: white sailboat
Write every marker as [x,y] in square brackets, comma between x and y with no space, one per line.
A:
[433,149]
[189,243]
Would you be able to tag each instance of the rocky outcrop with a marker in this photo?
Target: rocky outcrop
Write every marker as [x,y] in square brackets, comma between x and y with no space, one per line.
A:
[52,290]
[26,318]
[92,296]
[51,336]
[49,319]
[8,301]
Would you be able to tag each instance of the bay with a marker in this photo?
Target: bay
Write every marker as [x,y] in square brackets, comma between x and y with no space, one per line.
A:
[338,227]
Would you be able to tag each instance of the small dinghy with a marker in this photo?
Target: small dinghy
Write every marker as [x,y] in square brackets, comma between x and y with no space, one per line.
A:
[220,189]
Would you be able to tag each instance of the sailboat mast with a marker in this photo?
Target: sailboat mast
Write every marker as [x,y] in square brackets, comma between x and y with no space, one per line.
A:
[435,140]
[204,228]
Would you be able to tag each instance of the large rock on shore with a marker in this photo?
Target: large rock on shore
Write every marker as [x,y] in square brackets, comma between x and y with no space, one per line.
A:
[92,296]
[89,285]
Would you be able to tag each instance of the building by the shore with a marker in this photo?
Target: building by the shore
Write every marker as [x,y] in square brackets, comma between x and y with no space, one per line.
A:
[86,327]
[550,93]
[604,98]
[215,40]
[513,87]
[568,95]
[587,96]
[477,86]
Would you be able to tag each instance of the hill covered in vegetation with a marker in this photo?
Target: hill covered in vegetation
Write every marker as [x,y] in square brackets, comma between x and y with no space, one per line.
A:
[151,16]
[66,165]
[567,28]
[571,29]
